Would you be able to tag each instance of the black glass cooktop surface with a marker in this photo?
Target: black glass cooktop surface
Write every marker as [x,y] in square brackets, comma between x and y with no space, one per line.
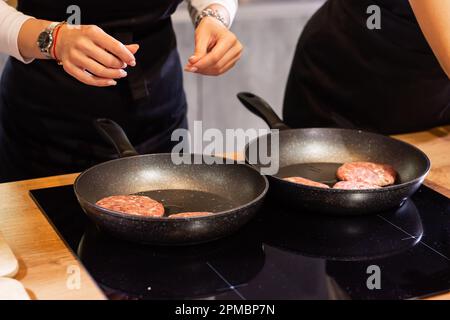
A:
[281,254]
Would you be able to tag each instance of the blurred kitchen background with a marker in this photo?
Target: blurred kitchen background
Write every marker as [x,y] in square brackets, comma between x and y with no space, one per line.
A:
[269,30]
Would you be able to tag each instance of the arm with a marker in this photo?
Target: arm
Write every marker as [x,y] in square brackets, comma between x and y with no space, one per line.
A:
[434,20]
[87,53]
[217,49]
[10,23]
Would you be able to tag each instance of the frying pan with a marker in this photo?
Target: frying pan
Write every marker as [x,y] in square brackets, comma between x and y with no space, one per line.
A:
[180,188]
[317,153]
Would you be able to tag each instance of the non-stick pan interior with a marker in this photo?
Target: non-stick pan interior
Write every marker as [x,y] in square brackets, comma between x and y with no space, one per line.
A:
[184,187]
[317,153]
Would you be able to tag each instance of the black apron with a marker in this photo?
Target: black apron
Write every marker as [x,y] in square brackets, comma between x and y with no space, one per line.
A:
[46,116]
[345,75]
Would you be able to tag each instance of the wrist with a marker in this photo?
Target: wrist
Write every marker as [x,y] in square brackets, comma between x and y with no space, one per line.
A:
[215,11]
[28,34]
[55,50]
[47,39]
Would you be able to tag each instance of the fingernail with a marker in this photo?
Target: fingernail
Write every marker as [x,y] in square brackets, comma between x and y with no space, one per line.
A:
[112,83]
[133,63]
[192,57]
[124,65]
[192,69]
[123,73]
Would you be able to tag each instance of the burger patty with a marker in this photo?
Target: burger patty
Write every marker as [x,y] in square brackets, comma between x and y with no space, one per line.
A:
[306,182]
[368,172]
[190,214]
[354,185]
[131,204]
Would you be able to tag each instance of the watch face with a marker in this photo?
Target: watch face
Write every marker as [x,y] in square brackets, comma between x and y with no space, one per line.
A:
[44,40]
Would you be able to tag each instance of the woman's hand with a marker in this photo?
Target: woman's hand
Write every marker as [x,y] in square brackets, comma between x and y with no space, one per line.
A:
[216,48]
[92,56]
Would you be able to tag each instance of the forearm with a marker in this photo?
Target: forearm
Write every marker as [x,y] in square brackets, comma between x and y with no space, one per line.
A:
[10,23]
[433,17]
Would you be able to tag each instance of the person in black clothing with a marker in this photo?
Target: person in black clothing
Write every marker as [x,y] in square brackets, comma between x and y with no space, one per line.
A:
[121,62]
[392,79]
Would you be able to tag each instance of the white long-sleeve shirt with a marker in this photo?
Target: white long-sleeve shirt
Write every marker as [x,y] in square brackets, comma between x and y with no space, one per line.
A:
[12,20]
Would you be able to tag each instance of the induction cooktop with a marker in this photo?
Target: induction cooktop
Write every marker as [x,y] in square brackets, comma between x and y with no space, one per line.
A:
[281,254]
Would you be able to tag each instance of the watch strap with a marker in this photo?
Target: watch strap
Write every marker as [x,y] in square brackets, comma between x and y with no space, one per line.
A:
[49,30]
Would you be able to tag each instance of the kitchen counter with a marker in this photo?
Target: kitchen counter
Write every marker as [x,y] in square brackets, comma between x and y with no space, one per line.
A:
[49,270]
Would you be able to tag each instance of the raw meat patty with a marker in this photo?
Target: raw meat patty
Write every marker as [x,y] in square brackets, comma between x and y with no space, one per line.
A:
[190,214]
[354,185]
[306,182]
[368,172]
[136,205]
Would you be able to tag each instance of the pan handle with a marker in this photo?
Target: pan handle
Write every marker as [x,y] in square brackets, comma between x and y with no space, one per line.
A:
[262,109]
[114,134]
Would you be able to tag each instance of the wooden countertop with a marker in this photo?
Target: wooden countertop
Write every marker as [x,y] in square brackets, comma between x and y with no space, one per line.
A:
[48,269]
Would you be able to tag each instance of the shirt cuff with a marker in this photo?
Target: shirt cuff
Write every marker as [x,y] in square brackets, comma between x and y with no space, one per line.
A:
[230,5]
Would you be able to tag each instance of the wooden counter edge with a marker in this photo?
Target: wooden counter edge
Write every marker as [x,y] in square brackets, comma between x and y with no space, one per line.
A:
[47,267]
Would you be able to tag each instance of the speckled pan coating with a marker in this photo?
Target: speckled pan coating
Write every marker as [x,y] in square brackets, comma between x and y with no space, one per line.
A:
[239,182]
[332,145]
[336,146]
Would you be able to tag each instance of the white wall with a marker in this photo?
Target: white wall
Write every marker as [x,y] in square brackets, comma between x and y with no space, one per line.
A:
[269,31]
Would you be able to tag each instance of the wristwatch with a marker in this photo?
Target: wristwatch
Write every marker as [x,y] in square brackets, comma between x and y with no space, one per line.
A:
[45,39]
[210,13]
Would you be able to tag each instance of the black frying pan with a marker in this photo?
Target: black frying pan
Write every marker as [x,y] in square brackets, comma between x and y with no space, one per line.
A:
[233,191]
[317,153]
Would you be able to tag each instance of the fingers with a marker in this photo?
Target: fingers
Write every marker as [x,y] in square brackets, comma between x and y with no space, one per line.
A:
[202,42]
[96,68]
[93,57]
[229,59]
[112,45]
[228,66]
[102,56]
[133,48]
[233,54]
[86,77]
[218,51]
[214,71]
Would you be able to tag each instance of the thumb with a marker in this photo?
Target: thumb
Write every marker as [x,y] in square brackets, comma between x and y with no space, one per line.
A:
[201,47]
[132,47]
